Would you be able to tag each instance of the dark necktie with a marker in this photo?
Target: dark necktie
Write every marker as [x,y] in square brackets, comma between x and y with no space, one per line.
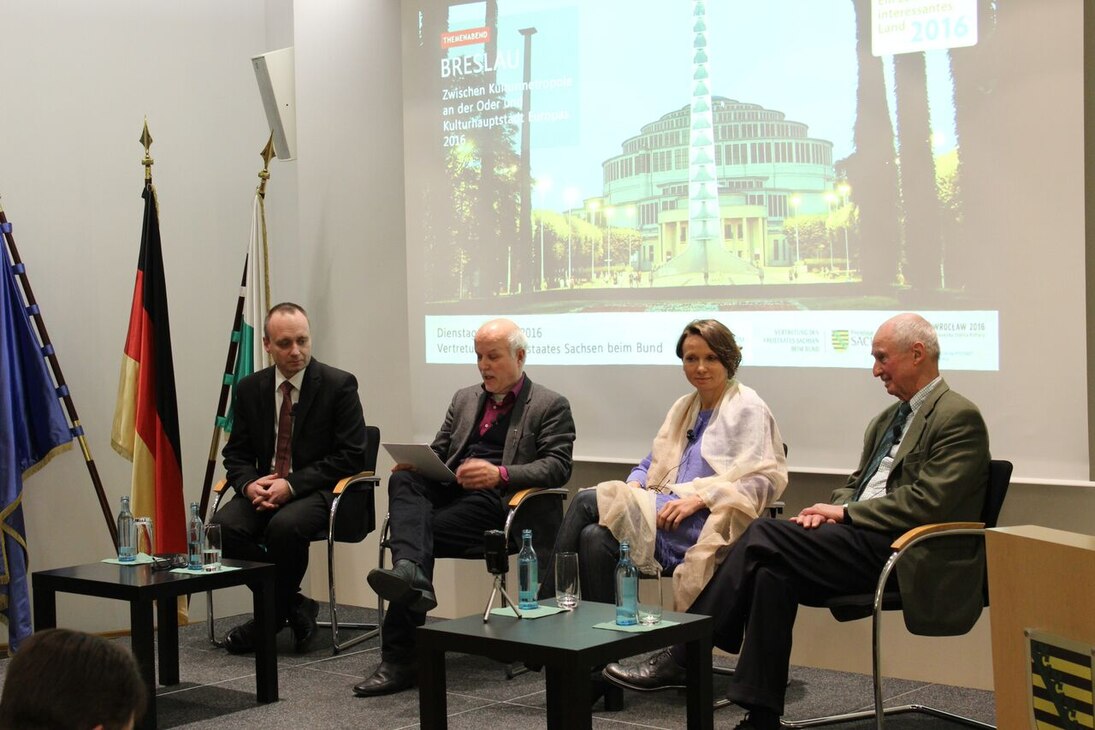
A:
[891,437]
[285,430]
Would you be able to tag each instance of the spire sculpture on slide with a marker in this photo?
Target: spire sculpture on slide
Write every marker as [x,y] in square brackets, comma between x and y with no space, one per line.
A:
[705,255]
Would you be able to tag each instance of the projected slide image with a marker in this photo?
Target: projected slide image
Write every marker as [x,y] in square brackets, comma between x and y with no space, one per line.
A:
[630,156]
[604,171]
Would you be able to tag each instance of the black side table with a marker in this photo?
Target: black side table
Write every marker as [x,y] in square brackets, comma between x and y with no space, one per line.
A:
[568,647]
[140,586]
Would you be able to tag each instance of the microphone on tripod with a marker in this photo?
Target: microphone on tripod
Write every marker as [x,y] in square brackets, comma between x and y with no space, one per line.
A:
[495,552]
[496,555]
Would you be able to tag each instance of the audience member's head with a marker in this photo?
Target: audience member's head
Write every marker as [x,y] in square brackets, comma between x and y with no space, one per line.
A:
[719,338]
[68,680]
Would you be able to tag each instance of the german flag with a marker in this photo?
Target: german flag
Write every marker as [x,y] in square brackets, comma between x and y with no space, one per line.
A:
[146,416]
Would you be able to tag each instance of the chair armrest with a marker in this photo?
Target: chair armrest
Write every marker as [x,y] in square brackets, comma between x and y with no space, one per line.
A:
[368,477]
[518,498]
[218,494]
[920,531]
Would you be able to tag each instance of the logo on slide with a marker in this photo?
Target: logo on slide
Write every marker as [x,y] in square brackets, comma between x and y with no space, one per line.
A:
[466,37]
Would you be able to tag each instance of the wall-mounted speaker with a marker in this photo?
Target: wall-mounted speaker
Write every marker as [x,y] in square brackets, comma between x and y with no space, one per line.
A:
[276,75]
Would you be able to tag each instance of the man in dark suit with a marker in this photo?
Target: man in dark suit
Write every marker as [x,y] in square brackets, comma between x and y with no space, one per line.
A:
[502,435]
[925,459]
[298,429]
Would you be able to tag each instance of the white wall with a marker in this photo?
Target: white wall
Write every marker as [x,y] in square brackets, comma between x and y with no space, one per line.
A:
[79,80]
[353,273]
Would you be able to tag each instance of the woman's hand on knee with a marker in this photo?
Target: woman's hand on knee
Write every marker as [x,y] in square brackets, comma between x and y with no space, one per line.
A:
[673,513]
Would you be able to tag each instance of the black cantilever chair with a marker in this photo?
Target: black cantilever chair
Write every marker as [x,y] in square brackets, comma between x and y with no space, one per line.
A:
[538,508]
[852,607]
[351,518]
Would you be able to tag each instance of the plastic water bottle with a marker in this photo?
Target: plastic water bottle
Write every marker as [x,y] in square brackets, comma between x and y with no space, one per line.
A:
[195,534]
[627,588]
[127,534]
[528,579]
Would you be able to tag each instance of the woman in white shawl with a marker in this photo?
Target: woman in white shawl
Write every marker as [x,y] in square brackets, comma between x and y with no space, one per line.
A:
[715,465]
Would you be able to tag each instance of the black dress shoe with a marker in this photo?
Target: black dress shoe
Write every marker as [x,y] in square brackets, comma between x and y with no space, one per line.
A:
[404,583]
[388,678]
[759,720]
[660,671]
[302,620]
[241,639]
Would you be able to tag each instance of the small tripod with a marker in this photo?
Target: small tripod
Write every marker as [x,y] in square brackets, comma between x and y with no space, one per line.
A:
[499,585]
[496,554]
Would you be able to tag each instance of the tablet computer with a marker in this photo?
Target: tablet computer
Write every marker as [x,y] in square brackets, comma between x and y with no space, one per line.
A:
[423,458]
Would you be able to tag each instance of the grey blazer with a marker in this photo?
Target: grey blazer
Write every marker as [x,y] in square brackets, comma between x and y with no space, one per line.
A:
[539,445]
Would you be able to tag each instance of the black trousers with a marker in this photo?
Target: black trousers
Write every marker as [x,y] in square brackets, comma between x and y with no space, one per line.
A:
[754,596]
[598,551]
[278,536]
[430,520]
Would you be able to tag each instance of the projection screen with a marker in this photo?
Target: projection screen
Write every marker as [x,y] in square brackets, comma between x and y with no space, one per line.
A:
[605,171]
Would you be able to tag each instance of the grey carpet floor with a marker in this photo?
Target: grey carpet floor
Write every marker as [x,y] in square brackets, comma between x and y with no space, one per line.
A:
[217,691]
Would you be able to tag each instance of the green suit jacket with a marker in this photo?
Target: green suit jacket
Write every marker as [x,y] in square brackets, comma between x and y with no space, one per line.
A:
[940,474]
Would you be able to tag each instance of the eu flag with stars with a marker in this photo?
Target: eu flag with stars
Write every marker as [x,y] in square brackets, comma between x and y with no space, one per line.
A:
[32,429]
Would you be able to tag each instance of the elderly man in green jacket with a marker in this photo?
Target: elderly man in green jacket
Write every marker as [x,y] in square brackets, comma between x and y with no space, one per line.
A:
[925,459]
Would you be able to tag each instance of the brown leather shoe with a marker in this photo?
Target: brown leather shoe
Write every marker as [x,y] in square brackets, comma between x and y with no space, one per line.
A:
[659,671]
[388,679]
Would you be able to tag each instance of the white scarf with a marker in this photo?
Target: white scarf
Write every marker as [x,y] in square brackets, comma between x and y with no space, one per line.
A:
[742,444]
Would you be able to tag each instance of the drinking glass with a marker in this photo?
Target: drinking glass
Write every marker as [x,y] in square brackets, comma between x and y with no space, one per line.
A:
[145,542]
[567,590]
[211,550]
[650,600]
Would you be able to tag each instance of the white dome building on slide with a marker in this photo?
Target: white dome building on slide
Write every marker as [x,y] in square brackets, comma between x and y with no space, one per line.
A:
[767,169]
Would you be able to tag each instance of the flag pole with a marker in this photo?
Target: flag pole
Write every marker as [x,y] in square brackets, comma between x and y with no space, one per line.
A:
[234,343]
[58,376]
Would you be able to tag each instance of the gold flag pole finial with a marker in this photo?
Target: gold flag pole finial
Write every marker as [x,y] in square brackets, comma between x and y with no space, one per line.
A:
[267,155]
[146,140]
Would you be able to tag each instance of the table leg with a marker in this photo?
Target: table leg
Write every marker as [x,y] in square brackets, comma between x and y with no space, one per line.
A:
[45,605]
[568,697]
[701,712]
[613,695]
[144,649]
[266,657]
[167,614]
[432,708]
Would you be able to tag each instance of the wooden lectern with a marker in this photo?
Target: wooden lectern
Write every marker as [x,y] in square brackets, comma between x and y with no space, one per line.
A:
[1042,585]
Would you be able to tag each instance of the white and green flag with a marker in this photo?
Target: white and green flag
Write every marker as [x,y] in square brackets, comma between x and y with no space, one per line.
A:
[255,292]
